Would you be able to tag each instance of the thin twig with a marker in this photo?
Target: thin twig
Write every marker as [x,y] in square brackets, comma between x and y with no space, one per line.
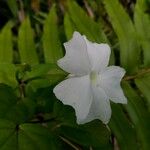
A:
[141,73]
[91,148]
[42,121]
[69,143]
[21,13]
[89,10]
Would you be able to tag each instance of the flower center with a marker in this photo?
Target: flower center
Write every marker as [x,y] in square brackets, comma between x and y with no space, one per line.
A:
[93,77]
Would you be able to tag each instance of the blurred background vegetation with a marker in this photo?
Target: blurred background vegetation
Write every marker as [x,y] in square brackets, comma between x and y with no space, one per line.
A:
[32,33]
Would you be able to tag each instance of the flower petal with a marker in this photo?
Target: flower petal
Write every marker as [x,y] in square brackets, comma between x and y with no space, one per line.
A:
[99,55]
[77,93]
[109,80]
[100,107]
[76,61]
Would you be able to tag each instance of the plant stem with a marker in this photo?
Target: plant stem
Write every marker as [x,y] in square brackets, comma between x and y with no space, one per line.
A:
[139,74]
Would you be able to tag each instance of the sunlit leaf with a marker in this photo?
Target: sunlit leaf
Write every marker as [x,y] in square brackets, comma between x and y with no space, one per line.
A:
[26,43]
[6,45]
[43,75]
[85,24]
[124,28]
[77,20]
[69,26]
[51,42]
[7,74]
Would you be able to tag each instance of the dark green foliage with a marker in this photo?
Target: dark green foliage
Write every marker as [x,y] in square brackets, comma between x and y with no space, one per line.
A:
[31,118]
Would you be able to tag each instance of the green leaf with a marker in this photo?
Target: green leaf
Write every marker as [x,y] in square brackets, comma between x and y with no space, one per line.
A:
[33,137]
[122,129]
[44,98]
[124,28]
[90,134]
[25,136]
[69,26]
[13,7]
[77,20]
[143,83]
[64,114]
[23,109]
[8,138]
[85,24]
[139,114]
[7,74]
[26,43]
[43,70]
[10,106]
[43,75]
[8,99]
[36,84]
[6,45]
[51,42]
[142,22]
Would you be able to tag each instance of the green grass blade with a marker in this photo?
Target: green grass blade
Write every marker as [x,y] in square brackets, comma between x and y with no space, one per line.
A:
[6,45]
[143,84]
[142,24]
[69,26]
[51,42]
[85,24]
[139,115]
[122,129]
[122,24]
[13,7]
[8,74]
[77,19]
[26,44]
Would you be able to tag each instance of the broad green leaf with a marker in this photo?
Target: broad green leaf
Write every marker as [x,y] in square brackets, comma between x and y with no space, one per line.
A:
[122,129]
[64,114]
[24,110]
[10,106]
[7,99]
[43,70]
[85,24]
[142,24]
[91,134]
[139,115]
[51,42]
[33,137]
[44,98]
[43,75]
[143,83]
[7,74]
[6,45]
[123,26]
[25,136]
[34,85]
[26,43]
[8,137]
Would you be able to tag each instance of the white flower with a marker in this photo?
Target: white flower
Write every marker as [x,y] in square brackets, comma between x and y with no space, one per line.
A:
[91,83]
